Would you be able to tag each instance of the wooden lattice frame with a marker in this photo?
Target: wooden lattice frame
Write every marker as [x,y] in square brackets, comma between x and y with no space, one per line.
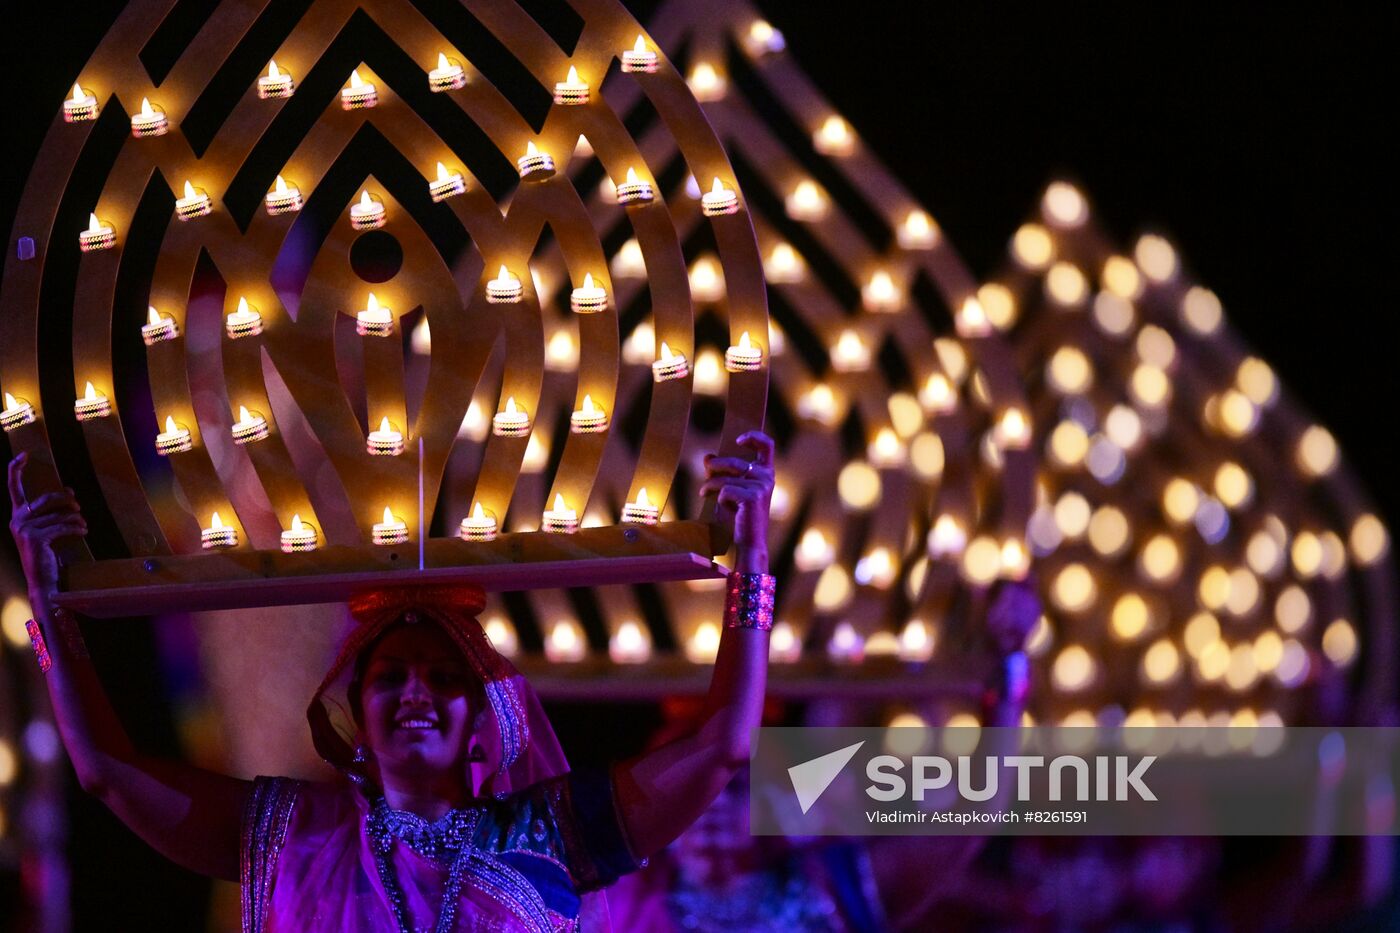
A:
[159,526]
[1123,293]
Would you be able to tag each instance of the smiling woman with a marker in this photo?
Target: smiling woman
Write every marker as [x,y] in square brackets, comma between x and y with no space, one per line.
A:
[445,749]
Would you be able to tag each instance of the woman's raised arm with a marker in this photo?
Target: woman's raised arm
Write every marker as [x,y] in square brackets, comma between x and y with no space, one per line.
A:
[190,815]
[662,792]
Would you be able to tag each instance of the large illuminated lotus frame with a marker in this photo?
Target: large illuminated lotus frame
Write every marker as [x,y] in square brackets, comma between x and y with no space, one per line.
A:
[277,390]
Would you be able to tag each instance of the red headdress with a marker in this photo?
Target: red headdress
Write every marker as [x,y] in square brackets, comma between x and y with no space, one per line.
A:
[520,746]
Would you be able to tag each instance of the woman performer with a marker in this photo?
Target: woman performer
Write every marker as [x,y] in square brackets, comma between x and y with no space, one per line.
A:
[456,810]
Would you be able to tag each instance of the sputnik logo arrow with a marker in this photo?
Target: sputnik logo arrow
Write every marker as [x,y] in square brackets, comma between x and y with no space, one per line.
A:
[811,778]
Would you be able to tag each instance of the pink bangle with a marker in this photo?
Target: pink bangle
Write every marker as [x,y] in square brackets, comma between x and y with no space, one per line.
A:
[41,648]
[748,601]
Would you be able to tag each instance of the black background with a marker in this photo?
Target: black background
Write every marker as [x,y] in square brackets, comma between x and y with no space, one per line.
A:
[1256,138]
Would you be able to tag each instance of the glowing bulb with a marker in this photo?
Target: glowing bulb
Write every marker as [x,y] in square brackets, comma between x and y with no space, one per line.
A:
[78,94]
[215,521]
[189,189]
[170,426]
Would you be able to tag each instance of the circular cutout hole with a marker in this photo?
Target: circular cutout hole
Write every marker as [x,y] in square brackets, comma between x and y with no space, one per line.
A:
[376,256]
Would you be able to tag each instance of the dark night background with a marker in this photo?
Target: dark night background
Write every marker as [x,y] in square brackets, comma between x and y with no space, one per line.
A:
[1253,137]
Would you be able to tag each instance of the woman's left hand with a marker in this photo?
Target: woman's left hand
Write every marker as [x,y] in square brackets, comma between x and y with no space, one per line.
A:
[744,489]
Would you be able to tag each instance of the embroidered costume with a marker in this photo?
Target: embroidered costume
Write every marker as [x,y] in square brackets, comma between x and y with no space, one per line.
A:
[320,857]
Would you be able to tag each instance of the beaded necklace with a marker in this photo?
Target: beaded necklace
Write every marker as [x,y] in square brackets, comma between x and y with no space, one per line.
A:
[446,841]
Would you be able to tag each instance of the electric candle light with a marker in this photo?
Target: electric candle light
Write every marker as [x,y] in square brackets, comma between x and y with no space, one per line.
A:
[719,200]
[917,232]
[17,411]
[478,526]
[876,569]
[385,441]
[589,419]
[299,538]
[1015,559]
[375,320]
[886,450]
[834,138]
[916,641]
[948,538]
[217,535]
[971,319]
[283,198]
[641,511]
[784,266]
[813,552]
[880,293]
[81,107]
[850,355]
[447,76]
[669,365]
[561,519]
[588,298]
[390,531]
[846,645]
[703,644]
[629,263]
[705,83]
[762,37]
[937,395]
[98,235]
[92,405]
[566,642]
[806,202]
[245,322]
[250,426]
[447,184]
[706,281]
[709,372]
[743,357]
[510,421]
[784,647]
[504,289]
[634,190]
[158,327]
[630,644]
[534,162]
[358,94]
[276,83]
[639,59]
[818,404]
[174,439]
[150,121]
[368,214]
[194,204]
[1013,430]
[571,90]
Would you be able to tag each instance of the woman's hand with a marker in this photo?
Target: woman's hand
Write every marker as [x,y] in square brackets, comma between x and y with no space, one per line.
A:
[744,490]
[36,525]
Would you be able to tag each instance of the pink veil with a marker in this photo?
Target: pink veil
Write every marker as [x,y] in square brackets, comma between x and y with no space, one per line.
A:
[513,731]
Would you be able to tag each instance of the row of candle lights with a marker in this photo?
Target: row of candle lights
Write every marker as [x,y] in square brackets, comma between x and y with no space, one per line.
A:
[479,526]
[631,642]
[366,214]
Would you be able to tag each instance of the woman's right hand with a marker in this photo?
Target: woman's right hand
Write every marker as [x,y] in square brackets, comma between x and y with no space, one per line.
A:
[36,525]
